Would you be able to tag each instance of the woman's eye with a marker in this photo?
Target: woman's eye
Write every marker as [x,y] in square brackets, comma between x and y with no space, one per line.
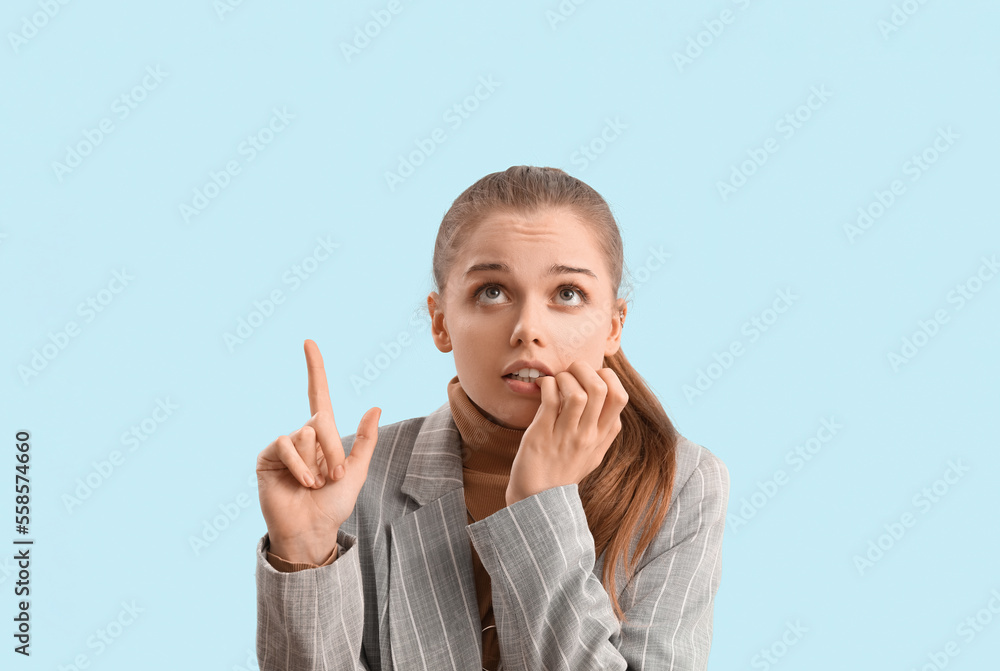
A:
[491,292]
[572,291]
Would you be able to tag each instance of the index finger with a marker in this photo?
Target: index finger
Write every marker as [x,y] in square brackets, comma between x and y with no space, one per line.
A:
[319,392]
[596,388]
[322,410]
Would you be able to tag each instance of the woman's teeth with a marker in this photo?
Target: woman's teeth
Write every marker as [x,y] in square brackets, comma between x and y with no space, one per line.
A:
[526,375]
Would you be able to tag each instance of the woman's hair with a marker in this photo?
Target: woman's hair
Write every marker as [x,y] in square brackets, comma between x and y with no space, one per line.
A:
[630,491]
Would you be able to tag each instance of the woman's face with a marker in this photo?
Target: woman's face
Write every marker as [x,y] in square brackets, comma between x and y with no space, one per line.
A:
[532,287]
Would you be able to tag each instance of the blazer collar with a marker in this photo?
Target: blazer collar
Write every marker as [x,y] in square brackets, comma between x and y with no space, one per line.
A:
[435,466]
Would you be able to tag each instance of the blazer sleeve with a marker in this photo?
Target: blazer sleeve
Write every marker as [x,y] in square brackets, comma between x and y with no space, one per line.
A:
[552,612]
[311,619]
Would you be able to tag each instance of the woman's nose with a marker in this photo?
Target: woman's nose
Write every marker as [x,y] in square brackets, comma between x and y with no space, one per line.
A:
[528,326]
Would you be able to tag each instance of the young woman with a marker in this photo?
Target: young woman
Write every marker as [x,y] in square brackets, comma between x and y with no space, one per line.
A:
[548,516]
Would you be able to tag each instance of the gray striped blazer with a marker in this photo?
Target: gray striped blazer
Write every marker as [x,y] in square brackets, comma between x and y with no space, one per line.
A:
[401,593]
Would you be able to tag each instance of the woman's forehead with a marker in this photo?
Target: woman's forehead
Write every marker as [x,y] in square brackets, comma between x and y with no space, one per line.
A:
[537,221]
[549,235]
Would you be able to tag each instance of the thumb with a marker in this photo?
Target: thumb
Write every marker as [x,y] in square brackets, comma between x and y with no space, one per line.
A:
[366,438]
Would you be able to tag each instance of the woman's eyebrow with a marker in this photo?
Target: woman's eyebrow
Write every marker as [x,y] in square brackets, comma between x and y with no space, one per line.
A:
[554,269]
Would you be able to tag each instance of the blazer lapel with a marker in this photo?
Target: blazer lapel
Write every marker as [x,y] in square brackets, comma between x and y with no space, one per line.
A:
[433,612]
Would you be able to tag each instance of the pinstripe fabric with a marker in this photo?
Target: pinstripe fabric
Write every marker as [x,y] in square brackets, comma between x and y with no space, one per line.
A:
[401,594]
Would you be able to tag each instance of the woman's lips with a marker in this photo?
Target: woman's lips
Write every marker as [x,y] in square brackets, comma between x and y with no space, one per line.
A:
[520,387]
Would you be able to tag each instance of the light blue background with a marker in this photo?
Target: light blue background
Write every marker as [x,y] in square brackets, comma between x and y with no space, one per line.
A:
[323,175]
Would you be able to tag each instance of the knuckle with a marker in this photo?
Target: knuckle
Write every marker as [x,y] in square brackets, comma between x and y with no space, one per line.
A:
[284,446]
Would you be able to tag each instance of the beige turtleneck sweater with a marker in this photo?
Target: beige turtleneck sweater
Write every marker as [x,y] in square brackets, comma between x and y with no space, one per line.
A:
[488,451]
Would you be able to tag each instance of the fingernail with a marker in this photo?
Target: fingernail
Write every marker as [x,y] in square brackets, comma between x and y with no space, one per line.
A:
[309,479]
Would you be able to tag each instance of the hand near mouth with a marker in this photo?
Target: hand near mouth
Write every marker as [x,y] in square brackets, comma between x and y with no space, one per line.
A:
[576,422]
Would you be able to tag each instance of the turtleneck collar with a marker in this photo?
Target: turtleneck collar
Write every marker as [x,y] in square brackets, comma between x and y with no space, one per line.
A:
[491,447]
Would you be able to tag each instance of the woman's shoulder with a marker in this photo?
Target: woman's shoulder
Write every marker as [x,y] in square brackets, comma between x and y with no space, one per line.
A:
[699,468]
[698,500]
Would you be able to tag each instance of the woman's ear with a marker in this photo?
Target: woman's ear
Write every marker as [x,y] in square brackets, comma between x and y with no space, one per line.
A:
[439,330]
[617,322]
